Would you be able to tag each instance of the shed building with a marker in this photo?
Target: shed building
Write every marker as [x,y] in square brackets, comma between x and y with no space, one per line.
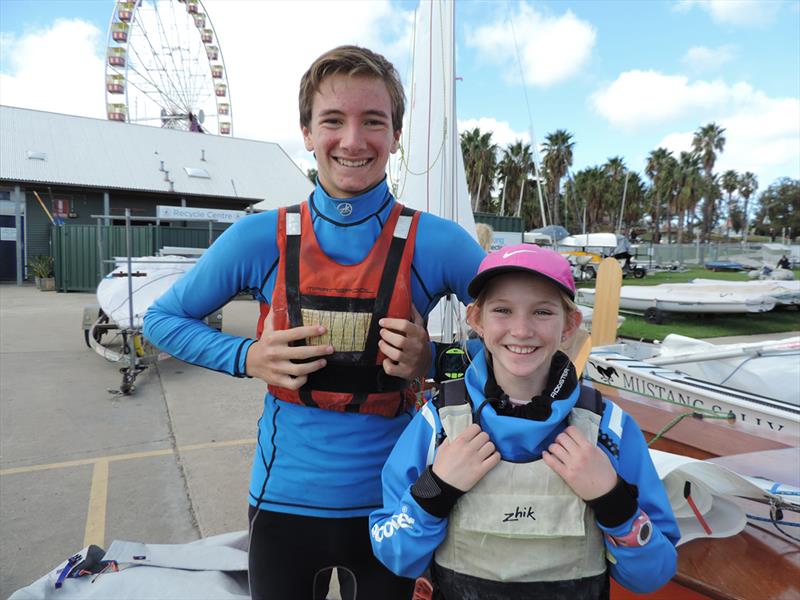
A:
[78,167]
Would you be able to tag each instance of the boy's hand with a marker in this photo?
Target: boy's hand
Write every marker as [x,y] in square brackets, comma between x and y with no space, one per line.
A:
[406,346]
[581,464]
[270,358]
[464,461]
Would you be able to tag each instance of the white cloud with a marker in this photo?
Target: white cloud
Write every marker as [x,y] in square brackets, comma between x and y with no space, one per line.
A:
[551,48]
[267,53]
[763,137]
[637,98]
[502,133]
[266,45]
[763,133]
[56,69]
[700,58]
[745,13]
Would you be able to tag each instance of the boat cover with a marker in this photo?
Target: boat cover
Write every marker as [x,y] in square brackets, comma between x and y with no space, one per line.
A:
[152,276]
[214,567]
[711,488]
[771,369]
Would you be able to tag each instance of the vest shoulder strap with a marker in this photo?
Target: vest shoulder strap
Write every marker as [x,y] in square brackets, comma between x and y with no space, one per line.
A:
[590,399]
[452,393]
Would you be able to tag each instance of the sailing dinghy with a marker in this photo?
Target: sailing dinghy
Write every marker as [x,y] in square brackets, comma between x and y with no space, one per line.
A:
[756,384]
[784,292]
[653,300]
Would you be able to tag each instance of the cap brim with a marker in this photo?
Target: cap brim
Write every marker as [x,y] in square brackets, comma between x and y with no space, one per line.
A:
[479,281]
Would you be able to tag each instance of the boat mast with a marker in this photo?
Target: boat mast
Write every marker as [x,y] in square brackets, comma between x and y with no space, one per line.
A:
[451,199]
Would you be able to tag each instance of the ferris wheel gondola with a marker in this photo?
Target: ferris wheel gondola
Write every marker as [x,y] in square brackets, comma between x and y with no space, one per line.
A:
[164,67]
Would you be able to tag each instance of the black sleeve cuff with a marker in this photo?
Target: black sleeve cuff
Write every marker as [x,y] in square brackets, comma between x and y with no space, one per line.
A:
[434,495]
[617,506]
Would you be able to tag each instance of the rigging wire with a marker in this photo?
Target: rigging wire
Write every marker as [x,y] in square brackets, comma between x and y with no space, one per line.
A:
[534,147]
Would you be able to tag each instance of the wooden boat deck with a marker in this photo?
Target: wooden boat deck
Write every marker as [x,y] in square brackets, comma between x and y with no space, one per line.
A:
[757,564]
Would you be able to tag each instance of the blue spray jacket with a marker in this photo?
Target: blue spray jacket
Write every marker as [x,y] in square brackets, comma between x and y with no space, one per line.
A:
[308,461]
[405,536]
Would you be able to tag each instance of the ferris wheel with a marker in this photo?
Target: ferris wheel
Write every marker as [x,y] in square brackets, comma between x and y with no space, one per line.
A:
[164,67]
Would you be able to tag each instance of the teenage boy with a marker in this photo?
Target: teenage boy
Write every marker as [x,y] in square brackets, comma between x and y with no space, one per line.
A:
[343,280]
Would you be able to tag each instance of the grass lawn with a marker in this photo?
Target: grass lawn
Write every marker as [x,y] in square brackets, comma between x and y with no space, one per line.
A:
[710,325]
[704,325]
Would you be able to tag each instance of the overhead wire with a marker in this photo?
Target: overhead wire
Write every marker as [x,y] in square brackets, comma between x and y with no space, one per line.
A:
[534,146]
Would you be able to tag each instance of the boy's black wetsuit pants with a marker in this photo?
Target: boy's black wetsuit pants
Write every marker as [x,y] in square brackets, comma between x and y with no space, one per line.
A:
[290,553]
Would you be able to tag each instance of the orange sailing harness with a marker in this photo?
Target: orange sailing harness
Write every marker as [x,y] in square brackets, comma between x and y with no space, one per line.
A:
[348,300]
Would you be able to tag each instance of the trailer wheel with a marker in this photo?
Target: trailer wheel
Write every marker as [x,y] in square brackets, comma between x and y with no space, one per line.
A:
[639,273]
[653,315]
[98,331]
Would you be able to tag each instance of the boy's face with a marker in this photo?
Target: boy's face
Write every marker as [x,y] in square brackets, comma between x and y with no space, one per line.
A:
[351,133]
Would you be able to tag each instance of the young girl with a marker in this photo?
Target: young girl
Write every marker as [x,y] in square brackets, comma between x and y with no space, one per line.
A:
[517,482]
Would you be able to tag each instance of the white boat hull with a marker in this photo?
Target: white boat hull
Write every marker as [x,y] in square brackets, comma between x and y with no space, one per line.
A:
[610,366]
[784,292]
[153,275]
[666,299]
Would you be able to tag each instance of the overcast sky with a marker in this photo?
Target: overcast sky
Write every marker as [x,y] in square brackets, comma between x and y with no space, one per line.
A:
[622,77]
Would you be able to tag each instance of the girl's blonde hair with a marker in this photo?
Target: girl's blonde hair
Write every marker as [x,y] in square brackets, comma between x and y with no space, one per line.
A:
[485,234]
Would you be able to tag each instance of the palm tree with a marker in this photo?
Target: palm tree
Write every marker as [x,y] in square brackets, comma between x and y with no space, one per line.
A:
[655,170]
[515,169]
[671,184]
[707,141]
[480,163]
[616,173]
[557,149]
[691,184]
[634,200]
[589,189]
[730,183]
[748,184]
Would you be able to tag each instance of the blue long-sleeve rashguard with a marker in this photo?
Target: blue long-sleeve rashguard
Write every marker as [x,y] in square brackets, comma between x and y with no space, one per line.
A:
[308,461]
[404,536]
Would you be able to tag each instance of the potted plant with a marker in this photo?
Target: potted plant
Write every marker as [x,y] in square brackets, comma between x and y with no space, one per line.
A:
[42,268]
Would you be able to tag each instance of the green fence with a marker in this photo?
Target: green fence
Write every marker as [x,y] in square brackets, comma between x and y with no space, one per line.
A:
[77,251]
[499,222]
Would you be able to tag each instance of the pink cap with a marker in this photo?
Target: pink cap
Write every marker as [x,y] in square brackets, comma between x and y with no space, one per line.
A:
[525,258]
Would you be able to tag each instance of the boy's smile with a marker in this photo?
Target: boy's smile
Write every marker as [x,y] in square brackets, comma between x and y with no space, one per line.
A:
[351,133]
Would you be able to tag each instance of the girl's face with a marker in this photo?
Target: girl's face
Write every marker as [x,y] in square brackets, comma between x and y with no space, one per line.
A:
[523,322]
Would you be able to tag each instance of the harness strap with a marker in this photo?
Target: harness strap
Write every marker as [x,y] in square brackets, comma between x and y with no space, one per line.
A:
[590,399]
[452,393]
[293,233]
[382,301]
[388,279]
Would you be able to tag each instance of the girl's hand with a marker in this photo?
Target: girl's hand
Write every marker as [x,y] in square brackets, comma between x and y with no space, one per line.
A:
[581,464]
[464,461]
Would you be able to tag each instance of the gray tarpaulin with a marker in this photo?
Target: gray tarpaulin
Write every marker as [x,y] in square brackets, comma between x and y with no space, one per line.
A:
[213,568]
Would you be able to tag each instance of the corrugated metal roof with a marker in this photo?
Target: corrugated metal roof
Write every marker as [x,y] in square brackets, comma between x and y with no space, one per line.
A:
[103,154]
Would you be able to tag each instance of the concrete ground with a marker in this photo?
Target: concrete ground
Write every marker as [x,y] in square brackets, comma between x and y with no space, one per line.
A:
[168,464]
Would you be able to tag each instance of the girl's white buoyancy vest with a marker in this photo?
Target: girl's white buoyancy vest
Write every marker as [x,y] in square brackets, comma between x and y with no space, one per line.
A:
[521,522]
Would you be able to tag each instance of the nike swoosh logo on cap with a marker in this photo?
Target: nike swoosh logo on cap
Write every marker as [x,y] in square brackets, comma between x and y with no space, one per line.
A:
[513,252]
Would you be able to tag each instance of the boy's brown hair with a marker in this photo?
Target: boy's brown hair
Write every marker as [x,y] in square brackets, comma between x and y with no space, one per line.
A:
[353,61]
